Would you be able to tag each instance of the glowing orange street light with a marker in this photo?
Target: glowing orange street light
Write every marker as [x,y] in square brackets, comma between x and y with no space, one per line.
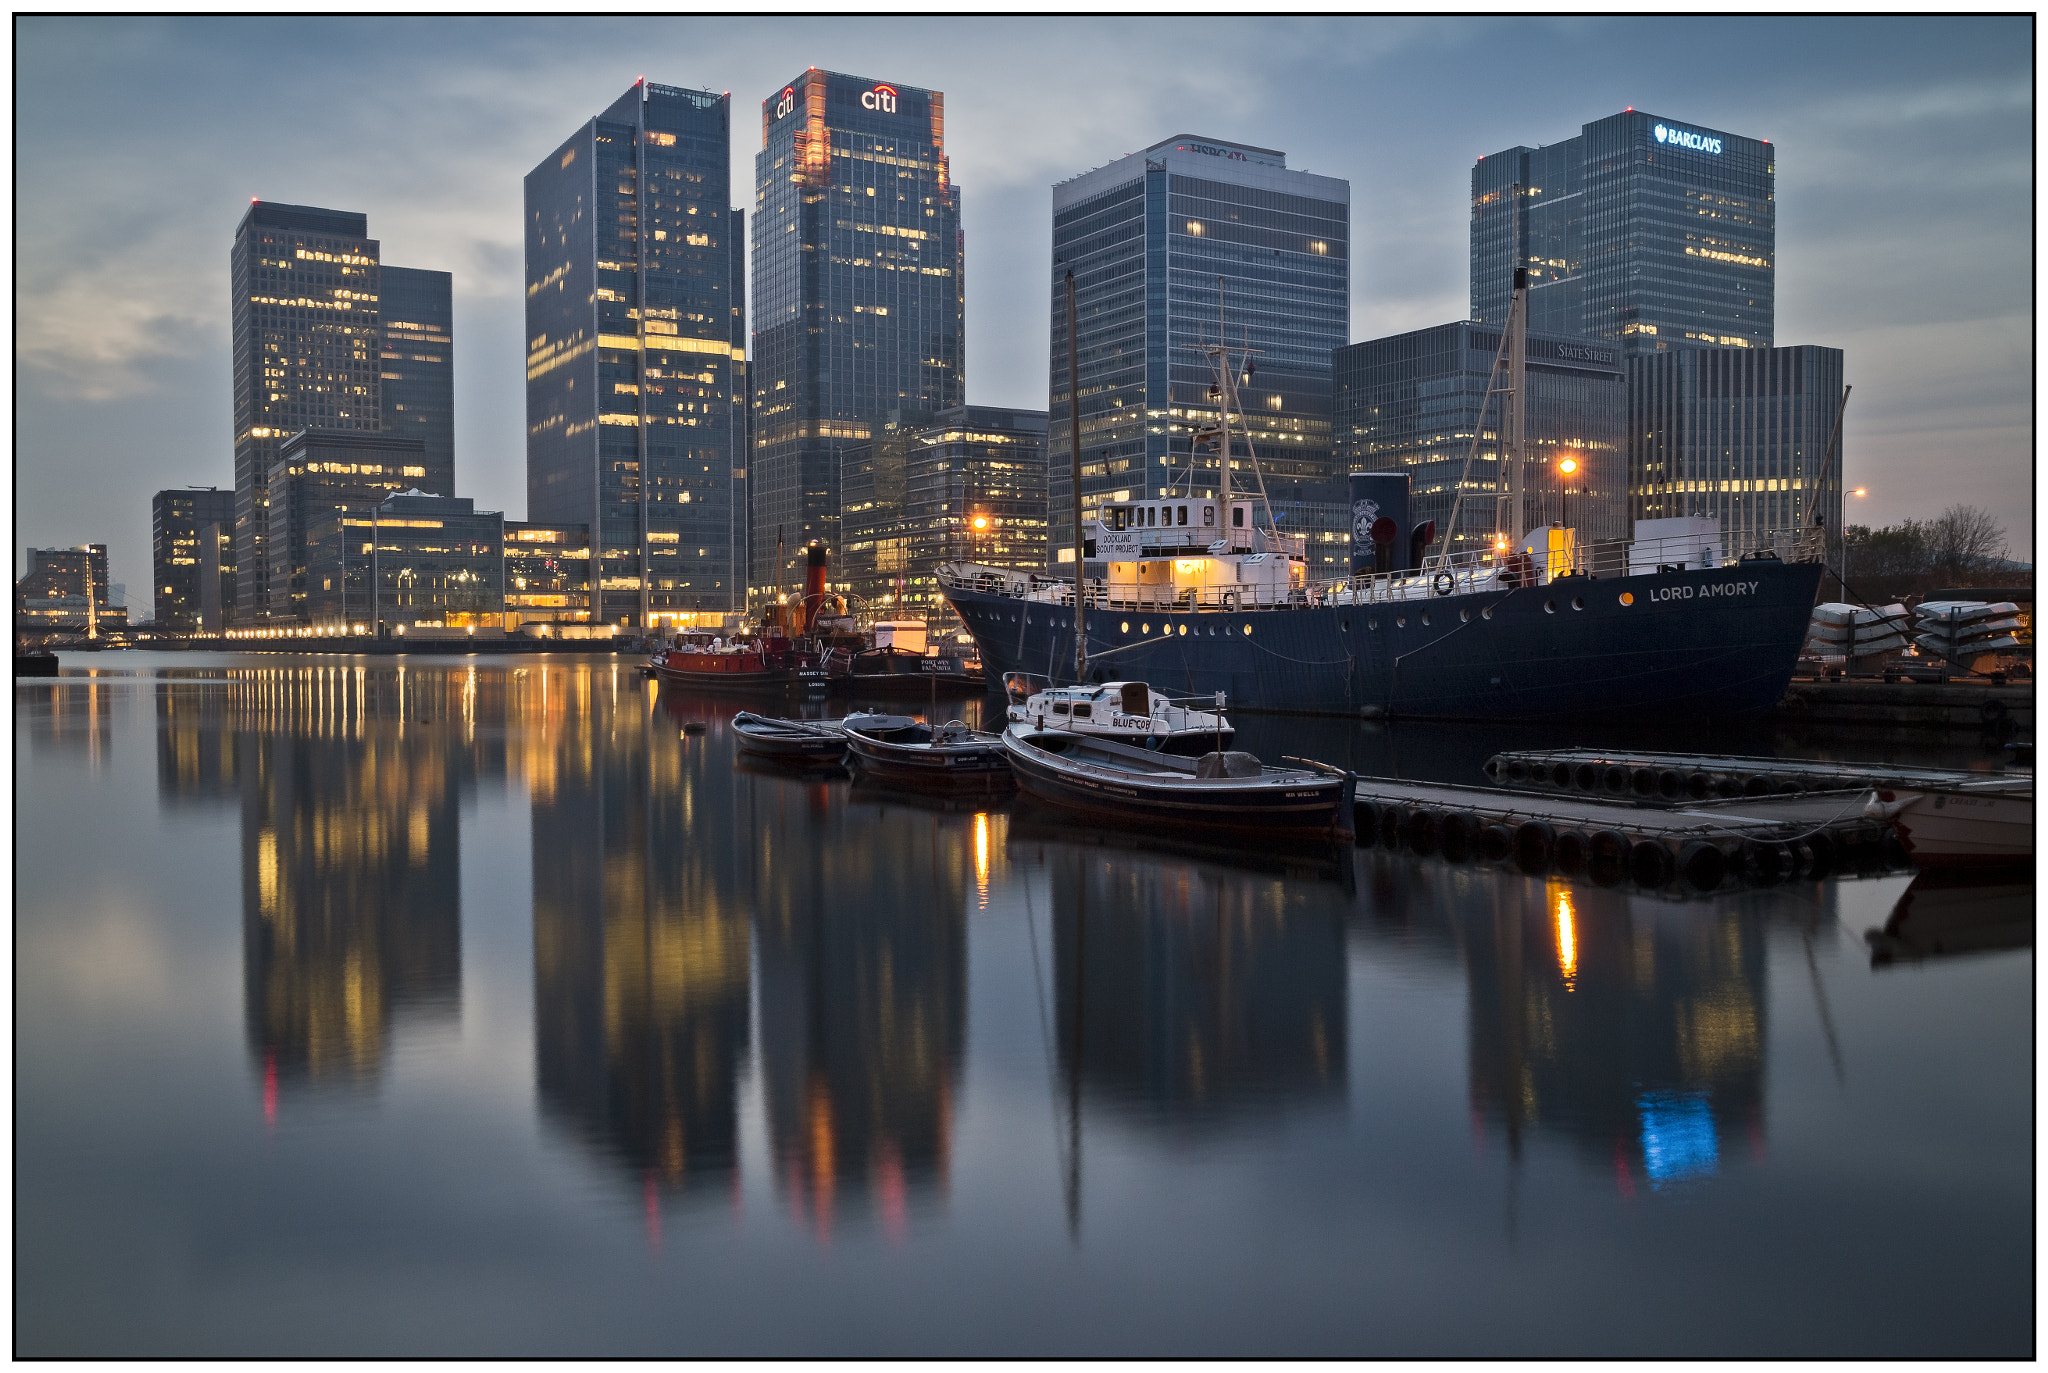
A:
[981,521]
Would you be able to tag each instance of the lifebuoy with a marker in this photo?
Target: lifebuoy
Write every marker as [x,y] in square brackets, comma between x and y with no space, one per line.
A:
[1444,584]
[1230,601]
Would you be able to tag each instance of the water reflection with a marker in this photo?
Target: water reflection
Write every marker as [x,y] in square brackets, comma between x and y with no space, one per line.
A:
[641,941]
[350,852]
[861,914]
[1629,1026]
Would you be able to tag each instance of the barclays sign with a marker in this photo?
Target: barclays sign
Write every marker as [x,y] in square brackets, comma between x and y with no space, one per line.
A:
[1682,138]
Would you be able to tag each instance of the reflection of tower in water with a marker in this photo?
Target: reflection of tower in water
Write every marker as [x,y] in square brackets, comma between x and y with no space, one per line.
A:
[1196,992]
[1631,1026]
[351,869]
[640,938]
[863,966]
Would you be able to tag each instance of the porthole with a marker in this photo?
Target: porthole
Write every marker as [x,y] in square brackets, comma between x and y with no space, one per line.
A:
[1400,622]
[1550,607]
[1425,617]
[1628,598]
[1125,627]
[1145,629]
[1343,626]
[1183,630]
[1247,629]
[1578,603]
[1373,623]
[1464,617]
[1486,612]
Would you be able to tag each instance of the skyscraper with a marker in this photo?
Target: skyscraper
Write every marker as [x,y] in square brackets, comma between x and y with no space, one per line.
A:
[178,521]
[1147,238]
[416,367]
[858,290]
[305,283]
[310,353]
[635,328]
[1657,234]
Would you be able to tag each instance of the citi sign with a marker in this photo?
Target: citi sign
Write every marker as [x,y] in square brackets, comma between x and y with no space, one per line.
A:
[1698,142]
[787,104]
[881,98]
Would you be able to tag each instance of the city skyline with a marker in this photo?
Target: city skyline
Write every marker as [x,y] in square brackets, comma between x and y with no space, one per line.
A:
[1904,181]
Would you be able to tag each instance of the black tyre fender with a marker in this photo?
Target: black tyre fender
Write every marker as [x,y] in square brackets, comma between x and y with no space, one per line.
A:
[1616,780]
[1699,786]
[1392,821]
[1649,862]
[1458,834]
[1765,861]
[1365,823]
[1643,782]
[1571,851]
[1586,777]
[1561,775]
[1493,766]
[1422,830]
[1703,865]
[1755,784]
[1533,842]
[1496,842]
[1669,784]
[1825,855]
[1518,771]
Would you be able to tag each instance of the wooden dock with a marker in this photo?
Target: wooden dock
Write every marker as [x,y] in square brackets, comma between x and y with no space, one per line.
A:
[1681,778]
[1697,847]
[2003,709]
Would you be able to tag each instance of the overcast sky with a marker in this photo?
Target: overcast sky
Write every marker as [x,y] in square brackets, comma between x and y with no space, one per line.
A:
[1905,185]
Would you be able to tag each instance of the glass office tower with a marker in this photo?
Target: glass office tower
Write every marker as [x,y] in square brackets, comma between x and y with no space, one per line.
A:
[1412,401]
[310,352]
[416,367]
[1738,434]
[304,284]
[1147,237]
[178,521]
[858,291]
[635,335]
[1657,234]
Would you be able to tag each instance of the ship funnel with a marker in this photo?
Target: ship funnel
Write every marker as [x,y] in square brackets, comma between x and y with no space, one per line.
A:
[814,583]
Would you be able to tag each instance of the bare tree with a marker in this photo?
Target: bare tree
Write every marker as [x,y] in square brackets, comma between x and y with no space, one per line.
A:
[1964,539]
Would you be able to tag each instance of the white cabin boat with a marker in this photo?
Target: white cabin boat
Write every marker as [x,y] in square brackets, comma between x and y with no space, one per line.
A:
[1123,712]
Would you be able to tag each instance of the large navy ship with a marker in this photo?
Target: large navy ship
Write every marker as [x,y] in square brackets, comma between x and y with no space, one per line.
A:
[1717,641]
[1193,595]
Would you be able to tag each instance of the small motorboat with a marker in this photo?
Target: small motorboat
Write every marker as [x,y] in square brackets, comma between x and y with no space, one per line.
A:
[1124,712]
[1220,792]
[816,743]
[908,751]
[1984,827]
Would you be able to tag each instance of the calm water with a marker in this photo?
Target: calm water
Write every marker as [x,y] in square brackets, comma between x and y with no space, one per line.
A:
[472,1007]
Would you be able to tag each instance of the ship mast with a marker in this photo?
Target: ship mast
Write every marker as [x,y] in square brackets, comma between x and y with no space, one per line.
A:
[1518,384]
[1226,396]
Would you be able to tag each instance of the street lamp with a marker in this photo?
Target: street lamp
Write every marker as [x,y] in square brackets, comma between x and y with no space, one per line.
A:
[1565,467]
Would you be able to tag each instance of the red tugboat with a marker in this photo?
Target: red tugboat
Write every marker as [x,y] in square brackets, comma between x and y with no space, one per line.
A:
[782,657]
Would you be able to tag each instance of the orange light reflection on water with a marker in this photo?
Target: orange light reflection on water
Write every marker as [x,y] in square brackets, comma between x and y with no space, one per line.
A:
[1567,939]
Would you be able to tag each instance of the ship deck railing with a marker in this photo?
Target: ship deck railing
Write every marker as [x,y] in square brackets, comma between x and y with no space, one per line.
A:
[1460,573]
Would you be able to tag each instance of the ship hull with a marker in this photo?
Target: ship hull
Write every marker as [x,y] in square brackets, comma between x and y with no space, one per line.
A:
[1710,644]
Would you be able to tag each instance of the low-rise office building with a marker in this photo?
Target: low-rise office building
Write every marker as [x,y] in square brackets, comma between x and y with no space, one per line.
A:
[967,485]
[1411,402]
[178,520]
[52,594]
[547,575]
[412,562]
[317,473]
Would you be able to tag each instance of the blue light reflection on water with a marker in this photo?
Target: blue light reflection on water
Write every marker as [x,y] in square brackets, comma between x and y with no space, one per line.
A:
[1678,1136]
[480,1008]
